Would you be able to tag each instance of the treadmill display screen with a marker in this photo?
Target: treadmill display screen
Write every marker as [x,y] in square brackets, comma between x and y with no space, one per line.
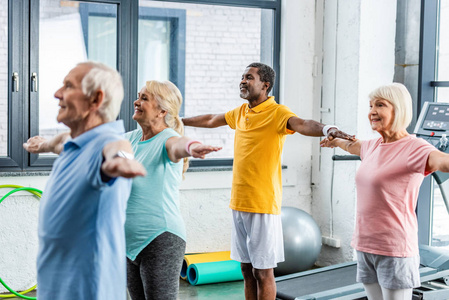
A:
[437,118]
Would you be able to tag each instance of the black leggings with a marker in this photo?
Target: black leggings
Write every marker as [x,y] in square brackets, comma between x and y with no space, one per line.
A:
[154,274]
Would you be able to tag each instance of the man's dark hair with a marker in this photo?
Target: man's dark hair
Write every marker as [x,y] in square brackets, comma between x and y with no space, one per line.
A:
[266,74]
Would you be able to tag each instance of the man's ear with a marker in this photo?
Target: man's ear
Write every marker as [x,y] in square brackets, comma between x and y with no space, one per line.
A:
[97,99]
[266,85]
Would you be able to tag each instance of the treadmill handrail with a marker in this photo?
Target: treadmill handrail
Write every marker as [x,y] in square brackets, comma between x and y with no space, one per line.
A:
[443,192]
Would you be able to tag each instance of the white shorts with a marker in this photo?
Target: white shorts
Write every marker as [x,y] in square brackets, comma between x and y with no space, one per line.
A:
[257,239]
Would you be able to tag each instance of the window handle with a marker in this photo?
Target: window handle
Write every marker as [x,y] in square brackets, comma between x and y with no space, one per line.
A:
[34,82]
[15,80]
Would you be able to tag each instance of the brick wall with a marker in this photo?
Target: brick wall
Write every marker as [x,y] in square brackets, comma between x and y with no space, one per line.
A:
[56,8]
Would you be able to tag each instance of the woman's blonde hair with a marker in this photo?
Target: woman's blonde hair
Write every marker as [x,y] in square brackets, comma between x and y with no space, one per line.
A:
[169,98]
[398,95]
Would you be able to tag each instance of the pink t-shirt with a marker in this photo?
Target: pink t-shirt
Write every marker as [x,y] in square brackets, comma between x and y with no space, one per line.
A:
[388,182]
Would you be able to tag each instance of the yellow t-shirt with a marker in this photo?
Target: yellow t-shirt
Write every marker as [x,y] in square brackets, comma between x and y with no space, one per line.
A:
[259,138]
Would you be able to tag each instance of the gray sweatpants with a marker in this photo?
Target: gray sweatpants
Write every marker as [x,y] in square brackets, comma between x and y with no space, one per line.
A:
[154,274]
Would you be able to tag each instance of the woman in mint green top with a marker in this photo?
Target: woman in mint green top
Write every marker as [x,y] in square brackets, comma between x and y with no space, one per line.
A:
[155,231]
[157,194]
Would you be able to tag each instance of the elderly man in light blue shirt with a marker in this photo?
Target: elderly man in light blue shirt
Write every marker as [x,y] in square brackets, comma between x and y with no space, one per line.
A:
[82,213]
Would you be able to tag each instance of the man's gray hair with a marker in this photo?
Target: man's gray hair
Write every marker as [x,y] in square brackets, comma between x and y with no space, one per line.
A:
[102,77]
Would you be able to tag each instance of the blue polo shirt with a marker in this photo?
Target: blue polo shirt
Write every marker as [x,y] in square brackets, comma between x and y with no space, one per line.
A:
[81,223]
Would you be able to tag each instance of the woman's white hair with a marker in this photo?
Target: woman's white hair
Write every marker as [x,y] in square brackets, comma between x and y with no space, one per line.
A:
[102,77]
[169,98]
[398,95]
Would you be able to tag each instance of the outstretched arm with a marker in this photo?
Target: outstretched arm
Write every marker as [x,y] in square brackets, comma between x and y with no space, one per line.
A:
[207,121]
[180,147]
[119,166]
[38,144]
[438,161]
[314,128]
[351,146]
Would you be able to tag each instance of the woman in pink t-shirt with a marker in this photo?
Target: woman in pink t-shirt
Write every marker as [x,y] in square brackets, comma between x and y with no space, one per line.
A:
[388,181]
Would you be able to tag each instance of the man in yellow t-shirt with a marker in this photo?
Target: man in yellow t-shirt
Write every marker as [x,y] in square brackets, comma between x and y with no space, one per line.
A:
[261,126]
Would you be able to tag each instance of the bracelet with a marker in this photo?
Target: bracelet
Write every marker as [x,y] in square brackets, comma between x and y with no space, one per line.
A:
[190,143]
[327,127]
[124,154]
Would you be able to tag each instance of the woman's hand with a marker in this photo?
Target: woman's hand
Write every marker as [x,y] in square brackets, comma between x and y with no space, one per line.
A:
[351,146]
[198,150]
[329,143]
[181,147]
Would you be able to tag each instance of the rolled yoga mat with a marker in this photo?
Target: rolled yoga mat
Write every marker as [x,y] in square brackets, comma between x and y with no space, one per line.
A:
[214,272]
[202,258]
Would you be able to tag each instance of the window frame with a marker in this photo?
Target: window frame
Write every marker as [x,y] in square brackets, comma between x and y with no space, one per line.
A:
[427,55]
[427,91]
[177,19]
[17,60]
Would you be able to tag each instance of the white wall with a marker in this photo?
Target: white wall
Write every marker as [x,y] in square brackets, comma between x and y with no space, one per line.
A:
[358,56]
[297,92]
[18,233]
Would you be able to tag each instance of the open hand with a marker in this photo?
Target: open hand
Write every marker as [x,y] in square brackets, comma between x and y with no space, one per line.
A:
[328,143]
[38,144]
[35,144]
[199,150]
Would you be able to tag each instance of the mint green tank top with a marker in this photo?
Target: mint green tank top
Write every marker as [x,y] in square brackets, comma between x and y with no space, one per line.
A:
[153,206]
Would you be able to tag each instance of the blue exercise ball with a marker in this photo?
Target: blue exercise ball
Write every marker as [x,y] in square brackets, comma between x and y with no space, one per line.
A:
[302,241]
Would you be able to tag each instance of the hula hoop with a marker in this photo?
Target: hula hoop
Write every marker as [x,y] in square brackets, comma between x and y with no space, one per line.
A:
[37,193]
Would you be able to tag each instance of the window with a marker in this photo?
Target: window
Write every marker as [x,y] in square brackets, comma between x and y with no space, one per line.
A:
[433,87]
[66,38]
[44,41]
[161,48]
[201,46]
[434,56]
[161,41]
[55,48]
[221,40]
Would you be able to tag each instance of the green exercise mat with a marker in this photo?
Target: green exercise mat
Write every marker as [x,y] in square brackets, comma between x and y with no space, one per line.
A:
[214,272]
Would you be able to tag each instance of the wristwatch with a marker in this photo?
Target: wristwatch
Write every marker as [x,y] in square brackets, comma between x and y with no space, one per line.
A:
[124,154]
